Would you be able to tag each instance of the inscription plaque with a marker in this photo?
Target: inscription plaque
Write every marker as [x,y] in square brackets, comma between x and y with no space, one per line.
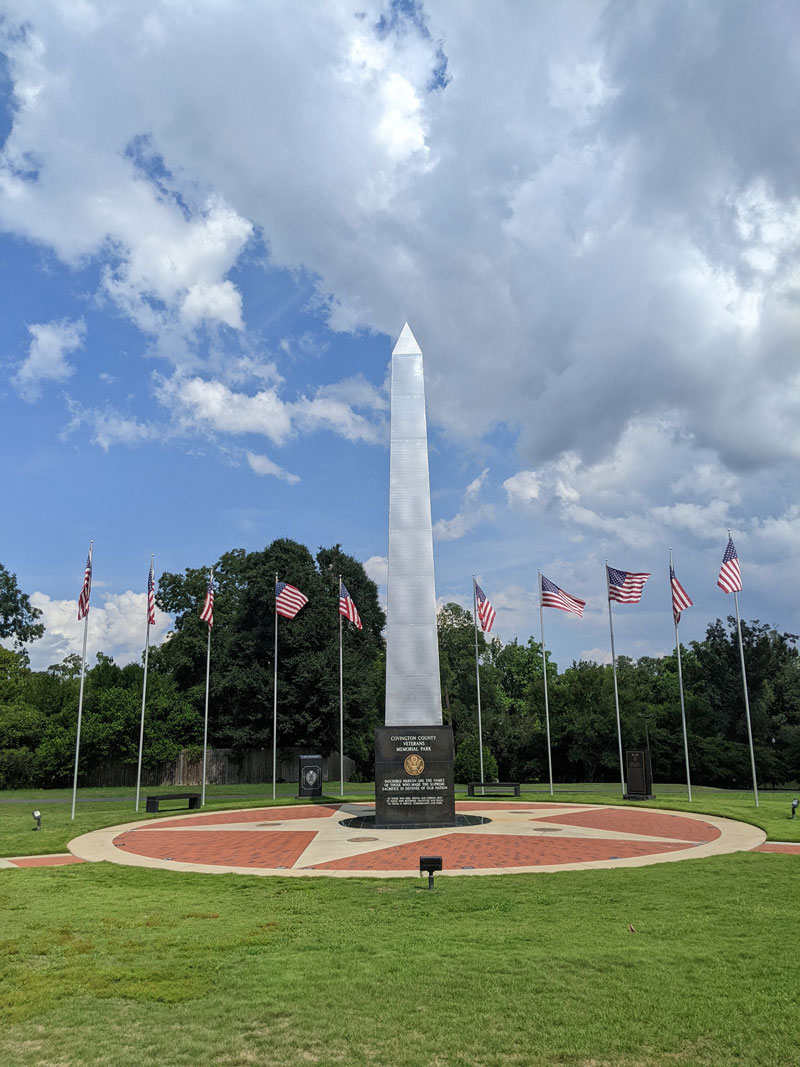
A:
[310,776]
[639,774]
[414,777]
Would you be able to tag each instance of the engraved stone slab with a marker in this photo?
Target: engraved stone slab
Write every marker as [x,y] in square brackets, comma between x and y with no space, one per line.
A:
[414,777]
[639,774]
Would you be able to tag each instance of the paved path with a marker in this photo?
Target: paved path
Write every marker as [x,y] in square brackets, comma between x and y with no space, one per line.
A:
[51,860]
[311,840]
[789,848]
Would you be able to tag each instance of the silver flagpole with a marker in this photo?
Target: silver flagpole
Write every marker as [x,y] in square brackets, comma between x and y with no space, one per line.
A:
[477,670]
[616,691]
[275,696]
[205,720]
[680,686]
[747,699]
[544,674]
[80,698]
[144,695]
[341,702]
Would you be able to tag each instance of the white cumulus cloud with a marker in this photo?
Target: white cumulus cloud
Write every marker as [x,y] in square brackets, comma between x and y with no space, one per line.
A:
[117,623]
[46,361]
[263,466]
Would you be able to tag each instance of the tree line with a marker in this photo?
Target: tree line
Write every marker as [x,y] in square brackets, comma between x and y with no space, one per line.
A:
[38,709]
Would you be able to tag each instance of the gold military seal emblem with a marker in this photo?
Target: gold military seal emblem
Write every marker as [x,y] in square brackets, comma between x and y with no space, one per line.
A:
[414,764]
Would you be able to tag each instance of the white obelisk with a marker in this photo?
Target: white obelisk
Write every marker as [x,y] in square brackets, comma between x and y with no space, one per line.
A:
[413,694]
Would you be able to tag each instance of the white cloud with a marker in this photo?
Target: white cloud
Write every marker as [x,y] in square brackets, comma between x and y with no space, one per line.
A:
[400,128]
[263,465]
[377,567]
[109,427]
[596,655]
[569,275]
[618,496]
[522,487]
[212,405]
[117,623]
[46,360]
[473,512]
[197,403]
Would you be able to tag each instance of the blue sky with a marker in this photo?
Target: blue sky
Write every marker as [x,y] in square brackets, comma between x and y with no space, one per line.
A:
[215,219]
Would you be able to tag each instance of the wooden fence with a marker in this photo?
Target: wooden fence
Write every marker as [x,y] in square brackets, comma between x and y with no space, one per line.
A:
[252,767]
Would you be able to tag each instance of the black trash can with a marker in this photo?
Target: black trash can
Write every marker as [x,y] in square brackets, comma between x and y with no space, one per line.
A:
[310,776]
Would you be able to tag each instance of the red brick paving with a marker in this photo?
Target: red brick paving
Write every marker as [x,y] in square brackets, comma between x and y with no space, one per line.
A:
[639,822]
[777,846]
[45,861]
[310,811]
[233,848]
[512,805]
[497,850]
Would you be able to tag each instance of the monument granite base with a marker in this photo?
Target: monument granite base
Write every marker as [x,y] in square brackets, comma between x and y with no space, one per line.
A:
[414,786]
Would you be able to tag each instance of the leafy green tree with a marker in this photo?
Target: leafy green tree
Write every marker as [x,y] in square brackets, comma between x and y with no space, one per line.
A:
[243,638]
[772,664]
[582,722]
[467,764]
[17,615]
[517,733]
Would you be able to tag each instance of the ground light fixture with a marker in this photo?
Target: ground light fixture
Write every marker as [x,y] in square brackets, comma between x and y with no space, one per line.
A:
[38,816]
[429,864]
[795,802]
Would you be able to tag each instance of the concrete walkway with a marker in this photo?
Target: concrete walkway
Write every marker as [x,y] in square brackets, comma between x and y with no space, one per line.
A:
[311,841]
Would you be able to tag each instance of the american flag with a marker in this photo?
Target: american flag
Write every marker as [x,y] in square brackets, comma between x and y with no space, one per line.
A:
[151,597]
[207,614]
[680,598]
[83,599]
[625,586]
[553,597]
[730,575]
[288,600]
[486,613]
[347,607]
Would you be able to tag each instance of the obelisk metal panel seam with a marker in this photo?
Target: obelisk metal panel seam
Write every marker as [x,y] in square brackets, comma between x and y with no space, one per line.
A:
[412,654]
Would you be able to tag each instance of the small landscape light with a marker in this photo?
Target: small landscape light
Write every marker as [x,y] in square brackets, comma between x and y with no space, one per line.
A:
[429,864]
[38,816]
[795,802]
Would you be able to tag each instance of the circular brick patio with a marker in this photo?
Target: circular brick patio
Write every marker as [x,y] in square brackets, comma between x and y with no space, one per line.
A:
[521,837]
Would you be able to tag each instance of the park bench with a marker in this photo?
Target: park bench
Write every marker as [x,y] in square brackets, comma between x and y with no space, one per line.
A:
[193,798]
[498,789]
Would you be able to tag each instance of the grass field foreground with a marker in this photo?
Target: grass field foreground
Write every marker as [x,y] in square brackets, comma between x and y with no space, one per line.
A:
[102,965]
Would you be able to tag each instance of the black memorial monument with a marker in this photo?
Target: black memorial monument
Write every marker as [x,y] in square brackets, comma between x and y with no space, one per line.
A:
[414,786]
[310,784]
[639,774]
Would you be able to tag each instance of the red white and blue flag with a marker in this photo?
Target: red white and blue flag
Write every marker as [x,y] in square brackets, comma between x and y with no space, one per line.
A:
[553,597]
[207,614]
[288,600]
[151,597]
[625,586]
[347,607]
[486,613]
[730,574]
[86,592]
[680,598]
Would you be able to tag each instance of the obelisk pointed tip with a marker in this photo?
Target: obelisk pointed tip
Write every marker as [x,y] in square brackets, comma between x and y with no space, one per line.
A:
[406,343]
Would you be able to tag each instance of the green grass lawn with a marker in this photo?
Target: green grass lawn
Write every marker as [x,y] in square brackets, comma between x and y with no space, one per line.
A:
[101,807]
[117,966]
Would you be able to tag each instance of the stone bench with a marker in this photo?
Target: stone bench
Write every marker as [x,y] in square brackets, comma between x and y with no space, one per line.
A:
[498,789]
[193,798]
